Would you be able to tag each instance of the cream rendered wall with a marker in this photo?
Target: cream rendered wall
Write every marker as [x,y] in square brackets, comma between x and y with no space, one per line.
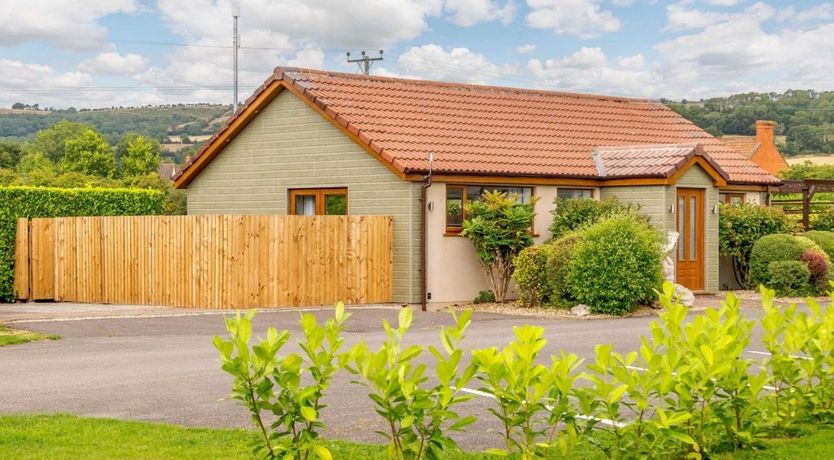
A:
[453,272]
[289,145]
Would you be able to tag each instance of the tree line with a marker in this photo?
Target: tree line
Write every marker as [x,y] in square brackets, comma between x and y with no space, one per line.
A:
[70,155]
[804,117]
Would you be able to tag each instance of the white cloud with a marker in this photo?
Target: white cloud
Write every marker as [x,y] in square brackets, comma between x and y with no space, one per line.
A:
[66,23]
[679,17]
[458,64]
[724,2]
[528,48]
[467,13]
[588,70]
[113,63]
[579,18]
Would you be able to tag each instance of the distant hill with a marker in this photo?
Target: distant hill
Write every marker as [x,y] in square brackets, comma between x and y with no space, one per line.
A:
[804,117]
[165,123]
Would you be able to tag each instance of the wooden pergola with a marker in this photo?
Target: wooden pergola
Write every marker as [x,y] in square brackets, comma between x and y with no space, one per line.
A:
[805,204]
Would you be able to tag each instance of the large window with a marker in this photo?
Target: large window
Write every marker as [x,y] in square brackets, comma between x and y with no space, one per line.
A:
[318,201]
[732,198]
[565,193]
[458,195]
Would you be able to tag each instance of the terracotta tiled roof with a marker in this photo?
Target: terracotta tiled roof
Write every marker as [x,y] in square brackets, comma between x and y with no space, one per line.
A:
[648,160]
[486,130]
[744,145]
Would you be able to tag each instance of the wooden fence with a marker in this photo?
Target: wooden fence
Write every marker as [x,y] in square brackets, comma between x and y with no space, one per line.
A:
[206,261]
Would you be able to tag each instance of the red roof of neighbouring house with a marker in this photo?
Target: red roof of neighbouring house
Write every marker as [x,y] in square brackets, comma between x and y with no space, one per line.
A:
[744,145]
[495,131]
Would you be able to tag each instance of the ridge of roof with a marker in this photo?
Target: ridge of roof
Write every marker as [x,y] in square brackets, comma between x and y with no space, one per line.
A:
[280,72]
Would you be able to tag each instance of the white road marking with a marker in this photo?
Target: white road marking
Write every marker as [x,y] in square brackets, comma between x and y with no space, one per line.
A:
[764,353]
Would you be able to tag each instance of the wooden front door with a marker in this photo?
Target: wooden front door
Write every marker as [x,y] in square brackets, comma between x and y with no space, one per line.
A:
[690,226]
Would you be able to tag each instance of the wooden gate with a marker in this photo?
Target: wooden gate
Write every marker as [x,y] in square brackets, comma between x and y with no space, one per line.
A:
[206,261]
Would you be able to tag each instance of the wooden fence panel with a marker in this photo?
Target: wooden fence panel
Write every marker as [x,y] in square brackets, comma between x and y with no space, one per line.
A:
[22,256]
[207,261]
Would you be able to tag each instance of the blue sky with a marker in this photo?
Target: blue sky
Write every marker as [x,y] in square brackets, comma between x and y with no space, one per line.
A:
[133,52]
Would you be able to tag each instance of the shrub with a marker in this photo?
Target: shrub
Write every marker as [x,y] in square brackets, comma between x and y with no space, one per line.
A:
[616,265]
[824,220]
[484,297]
[775,248]
[558,269]
[740,226]
[531,275]
[499,227]
[789,277]
[818,268]
[573,213]
[291,387]
[17,202]
[824,239]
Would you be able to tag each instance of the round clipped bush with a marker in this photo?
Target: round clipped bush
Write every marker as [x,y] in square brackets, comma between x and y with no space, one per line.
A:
[558,269]
[824,240]
[818,267]
[772,248]
[616,265]
[789,277]
[531,275]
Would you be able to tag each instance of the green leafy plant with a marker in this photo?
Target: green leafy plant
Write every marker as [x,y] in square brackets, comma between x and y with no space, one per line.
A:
[788,278]
[616,265]
[419,417]
[824,239]
[17,202]
[289,387]
[571,214]
[484,297]
[824,221]
[741,226]
[531,275]
[558,270]
[499,226]
[532,399]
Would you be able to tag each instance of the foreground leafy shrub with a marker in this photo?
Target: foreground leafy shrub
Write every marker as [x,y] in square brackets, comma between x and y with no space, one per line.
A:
[289,387]
[616,265]
[573,213]
[824,239]
[531,275]
[420,416]
[740,226]
[787,278]
[17,202]
[532,399]
[499,227]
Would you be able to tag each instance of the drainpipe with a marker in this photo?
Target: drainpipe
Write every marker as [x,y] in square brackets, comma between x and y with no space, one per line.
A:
[423,230]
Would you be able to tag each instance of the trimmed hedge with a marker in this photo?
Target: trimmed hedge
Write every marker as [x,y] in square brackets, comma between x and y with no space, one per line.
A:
[558,269]
[531,276]
[790,277]
[17,202]
[824,240]
[616,265]
[779,248]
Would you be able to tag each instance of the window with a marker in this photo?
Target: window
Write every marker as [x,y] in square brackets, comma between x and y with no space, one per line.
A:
[318,202]
[584,193]
[458,195]
[732,198]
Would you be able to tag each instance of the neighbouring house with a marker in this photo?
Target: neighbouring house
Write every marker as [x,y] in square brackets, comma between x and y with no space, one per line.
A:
[317,142]
[168,171]
[761,149]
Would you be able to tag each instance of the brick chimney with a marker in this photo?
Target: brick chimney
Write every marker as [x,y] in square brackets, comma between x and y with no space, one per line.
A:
[764,132]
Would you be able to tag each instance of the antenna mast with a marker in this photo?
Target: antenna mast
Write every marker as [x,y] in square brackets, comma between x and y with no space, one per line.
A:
[236,47]
[365,62]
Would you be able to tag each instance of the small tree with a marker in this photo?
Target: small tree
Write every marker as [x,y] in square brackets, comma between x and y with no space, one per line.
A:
[89,154]
[499,226]
[139,155]
[740,226]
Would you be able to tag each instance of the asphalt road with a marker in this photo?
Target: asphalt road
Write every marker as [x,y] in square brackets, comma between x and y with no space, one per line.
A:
[164,369]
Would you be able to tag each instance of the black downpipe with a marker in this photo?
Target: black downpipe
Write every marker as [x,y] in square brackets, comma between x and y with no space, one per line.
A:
[423,230]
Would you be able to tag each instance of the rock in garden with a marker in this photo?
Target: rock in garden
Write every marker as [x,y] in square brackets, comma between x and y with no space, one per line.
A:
[685,296]
[580,310]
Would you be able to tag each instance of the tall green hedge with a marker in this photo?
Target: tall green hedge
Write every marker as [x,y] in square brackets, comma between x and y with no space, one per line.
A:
[17,202]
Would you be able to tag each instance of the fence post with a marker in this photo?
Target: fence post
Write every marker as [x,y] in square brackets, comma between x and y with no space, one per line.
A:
[22,255]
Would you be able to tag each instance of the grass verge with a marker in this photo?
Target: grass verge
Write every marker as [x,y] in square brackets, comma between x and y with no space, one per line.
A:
[9,336]
[64,437]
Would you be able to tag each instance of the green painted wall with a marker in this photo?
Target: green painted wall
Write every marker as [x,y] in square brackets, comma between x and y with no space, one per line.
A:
[288,145]
[655,200]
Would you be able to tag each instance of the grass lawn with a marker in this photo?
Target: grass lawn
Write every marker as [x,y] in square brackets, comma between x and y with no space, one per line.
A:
[9,336]
[62,436]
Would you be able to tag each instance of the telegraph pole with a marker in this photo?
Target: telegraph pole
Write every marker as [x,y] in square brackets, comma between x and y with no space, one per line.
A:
[365,62]
[236,47]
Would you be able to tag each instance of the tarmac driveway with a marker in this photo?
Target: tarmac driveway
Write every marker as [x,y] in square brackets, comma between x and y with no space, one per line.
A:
[165,369]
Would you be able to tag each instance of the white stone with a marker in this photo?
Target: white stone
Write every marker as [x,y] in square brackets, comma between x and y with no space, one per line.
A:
[684,296]
[580,310]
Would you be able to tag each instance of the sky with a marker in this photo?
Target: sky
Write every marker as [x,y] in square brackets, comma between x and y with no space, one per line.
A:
[103,53]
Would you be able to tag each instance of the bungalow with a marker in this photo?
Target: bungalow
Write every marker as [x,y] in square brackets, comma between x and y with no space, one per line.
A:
[318,142]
